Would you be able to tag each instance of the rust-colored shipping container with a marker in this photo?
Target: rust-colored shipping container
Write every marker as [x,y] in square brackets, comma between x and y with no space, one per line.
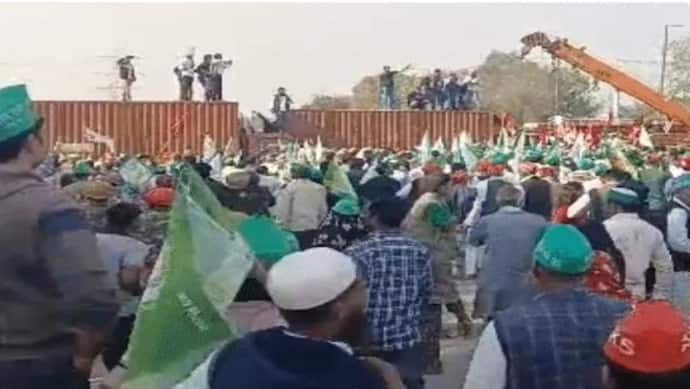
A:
[391,129]
[141,127]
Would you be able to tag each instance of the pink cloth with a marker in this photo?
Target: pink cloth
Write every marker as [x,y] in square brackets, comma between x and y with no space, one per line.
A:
[253,316]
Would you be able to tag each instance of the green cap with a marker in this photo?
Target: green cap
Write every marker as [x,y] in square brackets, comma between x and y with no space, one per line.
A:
[500,158]
[347,207]
[623,196]
[16,115]
[564,250]
[585,164]
[82,169]
[534,155]
[298,170]
[267,240]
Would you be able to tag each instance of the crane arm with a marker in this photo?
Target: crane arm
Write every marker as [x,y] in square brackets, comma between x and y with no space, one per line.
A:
[561,49]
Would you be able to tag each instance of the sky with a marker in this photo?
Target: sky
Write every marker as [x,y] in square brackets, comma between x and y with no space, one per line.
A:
[66,51]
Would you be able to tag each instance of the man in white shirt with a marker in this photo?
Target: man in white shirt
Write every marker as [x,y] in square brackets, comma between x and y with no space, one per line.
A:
[301,206]
[124,259]
[677,236]
[185,76]
[640,243]
[218,67]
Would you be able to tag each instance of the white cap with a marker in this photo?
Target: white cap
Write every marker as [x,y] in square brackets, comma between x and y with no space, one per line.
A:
[311,278]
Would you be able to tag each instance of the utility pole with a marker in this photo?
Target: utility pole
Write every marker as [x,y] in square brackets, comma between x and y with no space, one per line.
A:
[664,51]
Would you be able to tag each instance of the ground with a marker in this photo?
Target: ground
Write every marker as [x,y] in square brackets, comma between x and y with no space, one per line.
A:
[456,351]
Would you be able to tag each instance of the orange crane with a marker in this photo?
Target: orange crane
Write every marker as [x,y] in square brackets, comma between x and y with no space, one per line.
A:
[561,49]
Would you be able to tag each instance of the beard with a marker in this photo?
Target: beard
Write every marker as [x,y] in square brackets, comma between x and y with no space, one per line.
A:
[354,330]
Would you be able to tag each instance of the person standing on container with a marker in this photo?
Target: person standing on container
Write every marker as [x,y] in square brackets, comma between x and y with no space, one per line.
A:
[57,299]
[437,87]
[127,75]
[203,72]
[281,106]
[387,86]
[218,66]
[185,76]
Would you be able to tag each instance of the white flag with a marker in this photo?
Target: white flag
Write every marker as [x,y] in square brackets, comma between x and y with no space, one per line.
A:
[645,139]
[94,137]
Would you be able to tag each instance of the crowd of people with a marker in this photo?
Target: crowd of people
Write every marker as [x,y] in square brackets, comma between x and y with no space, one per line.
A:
[580,258]
[434,92]
[209,74]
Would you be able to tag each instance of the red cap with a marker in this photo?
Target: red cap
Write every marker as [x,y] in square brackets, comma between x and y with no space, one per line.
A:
[528,168]
[653,339]
[431,168]
[546,171]
[460,178]
[685,163]
[484,167]
[160,197]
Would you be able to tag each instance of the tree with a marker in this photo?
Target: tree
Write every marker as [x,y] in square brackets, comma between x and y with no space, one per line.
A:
[366,93]
[528,90]
[679,71]
[329,102]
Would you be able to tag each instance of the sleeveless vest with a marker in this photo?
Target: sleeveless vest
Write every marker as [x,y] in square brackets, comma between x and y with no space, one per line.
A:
[555,341]
[490,205]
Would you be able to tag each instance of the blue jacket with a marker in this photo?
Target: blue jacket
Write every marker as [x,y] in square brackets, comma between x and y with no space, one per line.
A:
[271,359]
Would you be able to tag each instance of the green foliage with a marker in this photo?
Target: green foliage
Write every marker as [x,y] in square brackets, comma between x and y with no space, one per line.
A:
[527,90]
[329,102]
[679,70]
[365,94]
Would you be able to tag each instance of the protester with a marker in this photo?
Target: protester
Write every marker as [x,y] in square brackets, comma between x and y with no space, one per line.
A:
[282,103]
[266,180]
[203,72]
[342,227]
[650,348]
[381,186]
[554,340]
[387,86]
[437,85]
[127,75]
[491,179]
[301,206]
[185,76]
[397,272]
[125,259]
[215,80]
[678,238]
[432,222]
[243,193]
[538,192]
[323,302]
[454,92]
[57,299]
[640,243]
[510,235]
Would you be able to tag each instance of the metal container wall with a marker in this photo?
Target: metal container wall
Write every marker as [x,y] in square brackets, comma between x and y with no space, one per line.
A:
[392,129]
[141,127]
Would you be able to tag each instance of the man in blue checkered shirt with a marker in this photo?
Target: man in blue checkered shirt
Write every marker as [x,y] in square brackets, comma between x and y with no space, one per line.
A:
[397,270]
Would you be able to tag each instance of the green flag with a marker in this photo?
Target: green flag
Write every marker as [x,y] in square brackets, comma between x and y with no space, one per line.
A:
[337,182]
[202,265]
[135,173]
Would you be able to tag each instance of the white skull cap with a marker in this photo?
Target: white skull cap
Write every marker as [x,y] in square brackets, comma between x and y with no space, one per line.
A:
[311,278]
